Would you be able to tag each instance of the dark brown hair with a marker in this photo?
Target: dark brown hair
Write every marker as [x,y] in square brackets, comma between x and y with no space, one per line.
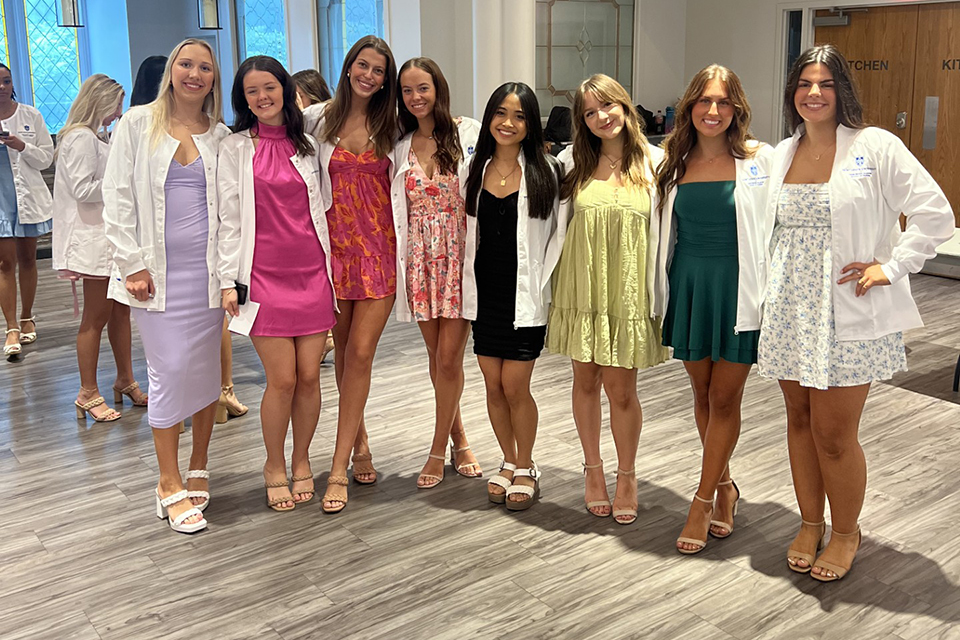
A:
[849,106]
[445,132]
[312,83]
[382,109]
[684,136]
[292,116]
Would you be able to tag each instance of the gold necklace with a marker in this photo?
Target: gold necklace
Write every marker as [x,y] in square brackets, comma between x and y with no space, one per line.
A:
[613,164]
[503,178]
[816,156]
[430,137]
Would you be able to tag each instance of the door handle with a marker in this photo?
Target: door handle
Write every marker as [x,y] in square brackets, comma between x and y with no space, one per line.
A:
[901,120]
[930,113]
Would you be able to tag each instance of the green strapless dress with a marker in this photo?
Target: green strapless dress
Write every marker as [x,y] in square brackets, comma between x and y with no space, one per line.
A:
[702,309]
[601,308]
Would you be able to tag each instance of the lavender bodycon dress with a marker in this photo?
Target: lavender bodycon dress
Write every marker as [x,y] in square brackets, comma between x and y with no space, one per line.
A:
[182,343]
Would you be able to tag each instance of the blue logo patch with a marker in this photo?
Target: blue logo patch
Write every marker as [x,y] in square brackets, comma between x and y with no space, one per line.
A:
[469,151]
[26,127]
[860,161]
[754,171]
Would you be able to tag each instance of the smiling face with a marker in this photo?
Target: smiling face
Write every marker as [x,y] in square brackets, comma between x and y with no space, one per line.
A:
[264,95]
[192,73]
[509,125]
[419,92]
[6,86]
[713,111]
[116,113]
[816,97]
[604,118]
[368,73]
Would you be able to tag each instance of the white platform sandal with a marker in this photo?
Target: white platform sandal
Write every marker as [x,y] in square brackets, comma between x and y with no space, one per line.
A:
[532,493]
[199,474]
[500,481]
[177,523]
[14,349]
[28,336]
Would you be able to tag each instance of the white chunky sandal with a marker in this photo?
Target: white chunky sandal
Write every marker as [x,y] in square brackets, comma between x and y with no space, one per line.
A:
[199,474]
[177,523]
[28,336]
[532,493]
[14,349]
[500,481]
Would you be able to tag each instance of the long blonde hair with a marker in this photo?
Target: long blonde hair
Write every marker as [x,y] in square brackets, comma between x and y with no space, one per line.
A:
[97,100]
[636,167]
[684,136]
[163,105]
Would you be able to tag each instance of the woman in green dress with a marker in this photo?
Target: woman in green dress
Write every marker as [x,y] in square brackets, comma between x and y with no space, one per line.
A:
[711,267]
[601,311]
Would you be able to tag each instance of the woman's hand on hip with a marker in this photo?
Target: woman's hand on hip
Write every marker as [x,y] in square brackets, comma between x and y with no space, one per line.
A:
[228,298]
[867,275]
[140,285]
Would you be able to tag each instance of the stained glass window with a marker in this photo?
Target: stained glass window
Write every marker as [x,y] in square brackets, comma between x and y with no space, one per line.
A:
[54,62]
[264,29]
[4,47]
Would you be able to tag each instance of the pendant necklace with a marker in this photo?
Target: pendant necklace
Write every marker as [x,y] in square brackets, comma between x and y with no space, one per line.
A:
[503,178]
[613,164]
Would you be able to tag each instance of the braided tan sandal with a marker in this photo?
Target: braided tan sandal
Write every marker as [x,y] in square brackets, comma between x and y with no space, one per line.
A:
[363,465]
[138,400]
[336,492]
[276,502]
[311,490]
[109,415]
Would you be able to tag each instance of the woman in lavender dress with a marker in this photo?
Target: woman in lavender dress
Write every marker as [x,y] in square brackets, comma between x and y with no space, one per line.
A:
[161,216]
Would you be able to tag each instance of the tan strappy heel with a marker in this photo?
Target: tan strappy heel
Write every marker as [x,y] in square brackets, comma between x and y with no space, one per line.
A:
[802,555]
[229,406]
[436,479]
[109,415]
[837,570]
[276,502]
[593,504]
[140,400]
[336,492]
[363,465]
[699,544]
[726,525]
[311,490]
[631,514]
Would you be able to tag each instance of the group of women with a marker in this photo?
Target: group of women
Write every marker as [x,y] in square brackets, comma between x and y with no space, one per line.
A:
[315,215]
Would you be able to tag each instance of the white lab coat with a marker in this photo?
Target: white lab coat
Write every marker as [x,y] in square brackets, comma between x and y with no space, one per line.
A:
[469,131]
[753,234]
[655,155]
[79,241]
[135,204]
[533,266]
[874,178]
[34,204]
[238,214]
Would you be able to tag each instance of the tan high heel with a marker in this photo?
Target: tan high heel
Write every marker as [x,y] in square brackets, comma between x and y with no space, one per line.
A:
[276,502]
[699,545]
[726,525]
[336,492]
[630,513]
[139,401]
[327,347]
[802,555]
[436,479]
[837,570]
[363,465]
[109,415]
[229,405]
[593,504]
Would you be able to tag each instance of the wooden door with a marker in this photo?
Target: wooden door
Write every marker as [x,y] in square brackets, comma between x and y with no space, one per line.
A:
[880,44]
[938,79]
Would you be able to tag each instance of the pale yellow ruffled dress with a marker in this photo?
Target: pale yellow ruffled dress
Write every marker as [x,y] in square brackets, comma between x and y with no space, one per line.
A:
[601,308]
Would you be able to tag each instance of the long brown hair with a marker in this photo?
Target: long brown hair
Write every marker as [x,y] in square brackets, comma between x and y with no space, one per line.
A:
[849,106]
[382,109]
[636,165]
[445,132]
[684,136]
[310,82]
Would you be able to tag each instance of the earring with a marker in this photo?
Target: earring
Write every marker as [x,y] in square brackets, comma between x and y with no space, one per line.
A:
[381,87]
[348,74]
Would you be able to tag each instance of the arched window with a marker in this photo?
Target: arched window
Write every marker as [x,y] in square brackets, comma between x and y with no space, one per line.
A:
[341,23]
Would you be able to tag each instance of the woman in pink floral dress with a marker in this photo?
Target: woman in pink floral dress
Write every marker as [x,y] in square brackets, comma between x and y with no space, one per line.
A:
[430,247]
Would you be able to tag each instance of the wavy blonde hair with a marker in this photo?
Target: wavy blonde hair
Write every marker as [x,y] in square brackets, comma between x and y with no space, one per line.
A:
[97,100]
[684,136]
[163,105]
[636,166]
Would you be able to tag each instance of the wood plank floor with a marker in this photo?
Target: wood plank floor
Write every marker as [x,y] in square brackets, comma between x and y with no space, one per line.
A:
[83,556]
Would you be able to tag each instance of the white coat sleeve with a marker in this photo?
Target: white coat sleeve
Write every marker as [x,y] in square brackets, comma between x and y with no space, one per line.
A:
[228,237]
[39,154]
[77,167]
[908,187]
[119,206]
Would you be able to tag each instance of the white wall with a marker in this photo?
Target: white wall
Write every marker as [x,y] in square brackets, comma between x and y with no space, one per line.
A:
[302,45]
[659,51]
[446,36]
[743,36]
[401,26]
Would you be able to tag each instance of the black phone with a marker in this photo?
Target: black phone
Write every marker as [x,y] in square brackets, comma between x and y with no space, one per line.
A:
[4,134]
[241,293]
